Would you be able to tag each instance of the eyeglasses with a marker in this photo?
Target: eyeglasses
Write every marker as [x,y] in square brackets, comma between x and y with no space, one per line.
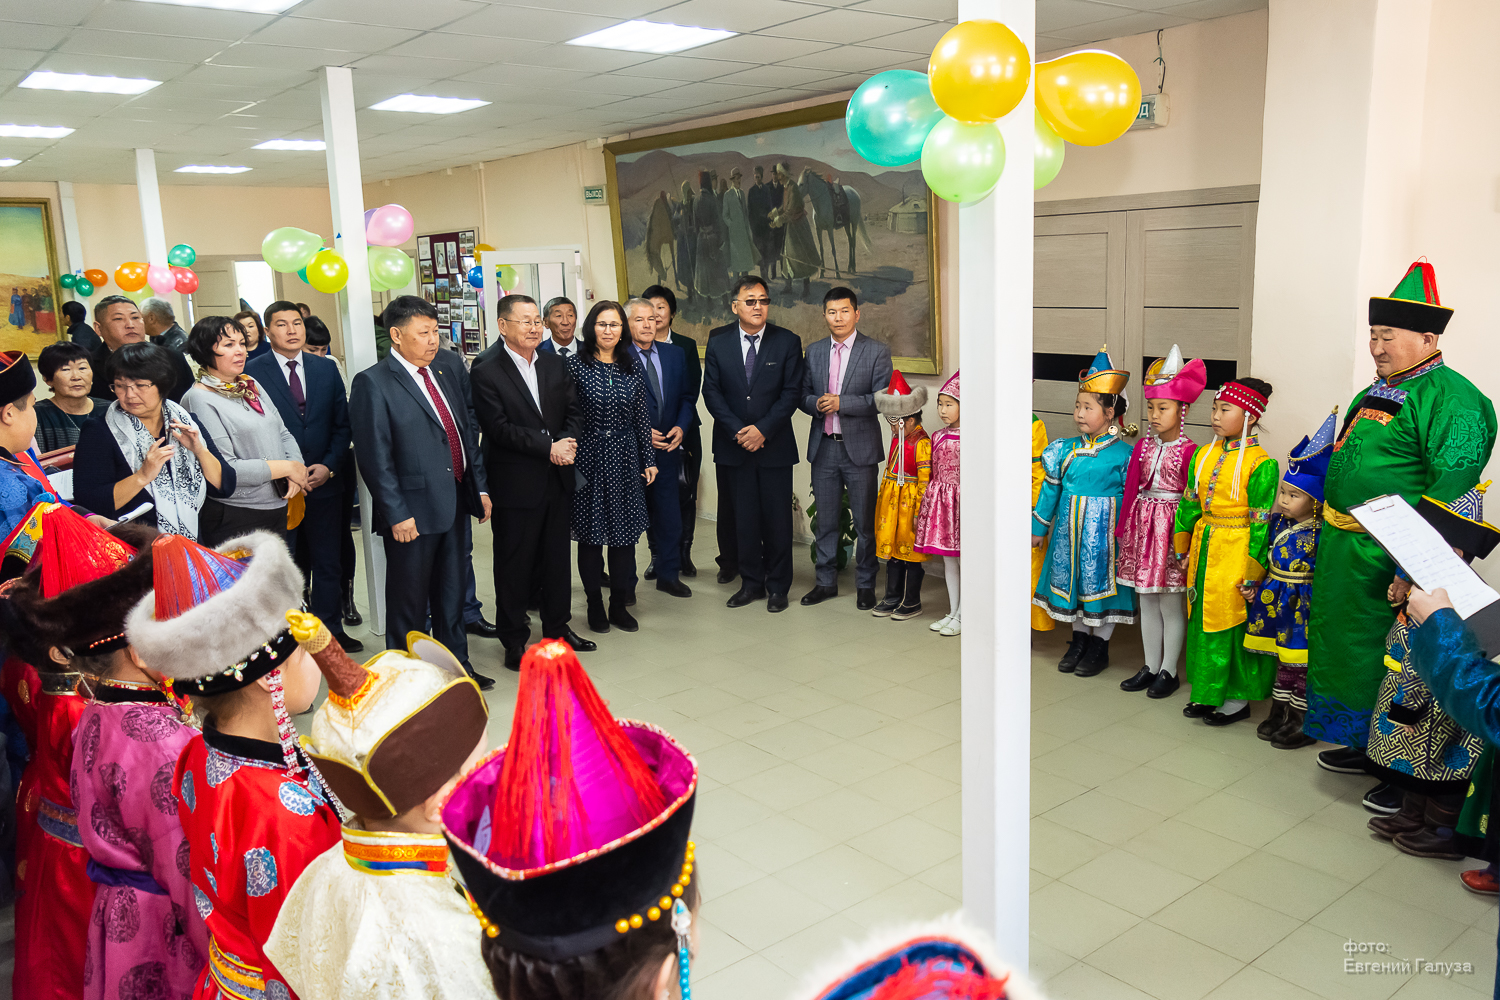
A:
[132,388]
[753,303]
[525,324]
[608,326]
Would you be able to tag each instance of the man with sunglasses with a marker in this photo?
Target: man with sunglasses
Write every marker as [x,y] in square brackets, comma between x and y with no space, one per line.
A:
[752,382]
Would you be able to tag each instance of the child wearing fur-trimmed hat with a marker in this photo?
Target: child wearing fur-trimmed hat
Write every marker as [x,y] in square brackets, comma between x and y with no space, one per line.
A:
[907,470]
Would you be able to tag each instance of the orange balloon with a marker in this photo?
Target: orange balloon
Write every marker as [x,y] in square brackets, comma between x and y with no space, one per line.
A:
[131,276]
[1088,97]
[979,71]
[97,277]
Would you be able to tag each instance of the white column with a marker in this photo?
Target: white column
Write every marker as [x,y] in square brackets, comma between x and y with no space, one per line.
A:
[994,316]
[151,220]
[72,242]
[346,192]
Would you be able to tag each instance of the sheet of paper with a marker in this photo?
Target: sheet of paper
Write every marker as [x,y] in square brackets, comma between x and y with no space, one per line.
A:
[136,513]
[62,483]
[1427,558]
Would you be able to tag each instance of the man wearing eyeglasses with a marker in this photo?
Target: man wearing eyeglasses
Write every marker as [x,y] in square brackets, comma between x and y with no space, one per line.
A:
[529,413]
[752,380]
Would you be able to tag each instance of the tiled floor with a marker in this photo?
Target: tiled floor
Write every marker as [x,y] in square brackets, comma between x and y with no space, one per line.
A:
[1169,860]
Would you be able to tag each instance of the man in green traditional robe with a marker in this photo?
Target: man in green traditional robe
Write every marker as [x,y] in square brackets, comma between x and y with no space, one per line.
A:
[1421,429]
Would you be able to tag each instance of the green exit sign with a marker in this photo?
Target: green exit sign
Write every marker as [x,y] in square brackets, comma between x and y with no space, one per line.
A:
[593,195]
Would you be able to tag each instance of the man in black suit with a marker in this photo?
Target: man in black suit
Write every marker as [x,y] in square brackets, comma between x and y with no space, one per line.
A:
[309,394]
[118,322]
[752,379]
[531,419]
[418,450]
[664,302]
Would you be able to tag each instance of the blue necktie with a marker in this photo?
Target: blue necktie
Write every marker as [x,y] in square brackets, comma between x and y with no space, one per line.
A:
[750,358]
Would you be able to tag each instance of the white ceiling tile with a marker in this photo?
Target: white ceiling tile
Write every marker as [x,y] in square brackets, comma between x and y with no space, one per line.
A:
[246,76]
[1052,15]
[506,75]
[49,11]
[846,26]
[171,19]
[478,48]
[922,39]
[937,10]
[732,17]
[1216,8]
[270,58]
[757,49]
[341,36]
[1120,27]
[69,108]
[21,59]
[136,45]
[845,59]
[384,65]
[18,34]
[776,76]
[426,15]
[293,104]
[504,21]
[682,70]
[571,56]
[113,65]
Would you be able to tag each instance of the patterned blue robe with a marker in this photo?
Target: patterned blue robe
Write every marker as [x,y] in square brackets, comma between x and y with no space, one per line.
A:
[1080,505]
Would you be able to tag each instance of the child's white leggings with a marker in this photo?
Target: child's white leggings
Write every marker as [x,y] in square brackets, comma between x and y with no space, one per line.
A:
[1163,626]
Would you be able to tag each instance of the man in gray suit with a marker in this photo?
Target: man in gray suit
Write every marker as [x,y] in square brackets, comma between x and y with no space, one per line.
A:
[843,373]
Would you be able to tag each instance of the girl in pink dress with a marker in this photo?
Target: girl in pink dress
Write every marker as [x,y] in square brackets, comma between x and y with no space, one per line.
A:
[937,523]
[1153,486]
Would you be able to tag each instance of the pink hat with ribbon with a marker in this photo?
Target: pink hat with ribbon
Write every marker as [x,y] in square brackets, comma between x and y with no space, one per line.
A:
[950,387]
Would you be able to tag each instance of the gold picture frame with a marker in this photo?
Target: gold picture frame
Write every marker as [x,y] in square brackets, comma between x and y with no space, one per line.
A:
[27,244]
[912,326]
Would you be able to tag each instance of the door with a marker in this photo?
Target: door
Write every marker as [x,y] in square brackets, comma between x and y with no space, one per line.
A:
[543,273]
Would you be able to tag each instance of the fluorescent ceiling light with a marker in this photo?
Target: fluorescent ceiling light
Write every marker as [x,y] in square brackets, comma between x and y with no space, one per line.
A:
[651,36]
[307,145]
[196,168]
[8,162]
[427,105]
[44,79]
[34,131]
[253,6]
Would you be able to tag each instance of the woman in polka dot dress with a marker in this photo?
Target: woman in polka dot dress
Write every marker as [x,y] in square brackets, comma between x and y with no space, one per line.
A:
[616,461]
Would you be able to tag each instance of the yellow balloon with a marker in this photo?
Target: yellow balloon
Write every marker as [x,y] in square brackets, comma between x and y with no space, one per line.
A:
[327,272]
[1089,98]
[979,71]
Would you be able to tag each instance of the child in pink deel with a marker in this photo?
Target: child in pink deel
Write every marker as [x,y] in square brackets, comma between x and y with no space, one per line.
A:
[937,523]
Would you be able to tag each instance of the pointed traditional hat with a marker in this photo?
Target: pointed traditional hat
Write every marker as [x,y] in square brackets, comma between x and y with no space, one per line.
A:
[215,621]
[1102,375]
[1414,305]
[576,832]
[1307,465]
[950,387]
[395,729]
[1462,523]
[1169,378]
[899,399]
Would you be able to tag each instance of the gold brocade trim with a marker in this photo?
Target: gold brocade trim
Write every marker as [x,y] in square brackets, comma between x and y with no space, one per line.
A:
[1341,521]
[1287,577]
[234,977]
[1220,521]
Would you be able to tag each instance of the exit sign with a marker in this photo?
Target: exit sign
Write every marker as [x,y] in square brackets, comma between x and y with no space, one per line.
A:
[1152,112]
[593,195]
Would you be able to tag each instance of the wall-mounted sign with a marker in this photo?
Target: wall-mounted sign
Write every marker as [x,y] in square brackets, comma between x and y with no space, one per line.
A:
[593,195]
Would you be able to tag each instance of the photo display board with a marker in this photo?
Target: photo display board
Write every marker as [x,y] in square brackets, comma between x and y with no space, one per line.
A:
[443,260]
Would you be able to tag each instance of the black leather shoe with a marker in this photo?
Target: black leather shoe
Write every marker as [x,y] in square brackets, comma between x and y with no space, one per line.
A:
[513,656]
[622,619]
[727,575]
[1095,658]
[775,603]
[818,595]
[1384,799]
[1220,719]
[350,644]
[1139,681]
[1164,686]
[485,683]
[650,573]
[745,596]
[674,587]
[688,569]
[350,612]
[1343,760]
[1076,647]
[481,628]
[864,598]
[1193,710]
[578,642]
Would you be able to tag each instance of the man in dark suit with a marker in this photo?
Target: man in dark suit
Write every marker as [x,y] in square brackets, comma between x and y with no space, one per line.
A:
[309,394]
[844,444]
[560,317]
[418,450]
[161,324]
[531,419]
[665,302]
[118,322]
[672,409]
[752,380]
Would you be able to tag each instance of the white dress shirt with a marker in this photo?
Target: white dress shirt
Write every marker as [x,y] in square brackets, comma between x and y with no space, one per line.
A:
[282,360]
[760,341]
[457,413]
[528,374]
[564,351]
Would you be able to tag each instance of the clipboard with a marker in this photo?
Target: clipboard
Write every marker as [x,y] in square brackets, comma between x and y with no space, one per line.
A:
[1429,560]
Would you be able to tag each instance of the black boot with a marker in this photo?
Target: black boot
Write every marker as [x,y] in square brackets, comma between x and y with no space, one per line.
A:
[619,616]
[895,575]
[911,593]
[1274,721]
[1436,838]
[1290,736]
[1069,661]
[598,620]
[1095,657]
[350,612]
[687,568]
[1408,820]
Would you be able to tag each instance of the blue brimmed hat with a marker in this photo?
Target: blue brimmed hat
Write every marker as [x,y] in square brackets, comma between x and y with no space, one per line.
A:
[1307,465]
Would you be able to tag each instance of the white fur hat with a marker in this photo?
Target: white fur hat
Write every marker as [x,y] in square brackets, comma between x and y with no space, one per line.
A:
[899,399]
[215,620]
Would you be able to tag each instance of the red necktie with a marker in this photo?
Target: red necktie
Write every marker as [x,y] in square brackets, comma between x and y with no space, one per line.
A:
[449,427]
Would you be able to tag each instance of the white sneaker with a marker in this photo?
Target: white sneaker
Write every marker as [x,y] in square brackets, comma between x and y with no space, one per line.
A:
[954,626]
[941,623]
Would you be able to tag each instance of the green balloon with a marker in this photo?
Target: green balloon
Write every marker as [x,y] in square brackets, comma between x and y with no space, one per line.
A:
[84,287]
[289,249]
[962,162]
[140,294]
[1049,152]
[181,255]
[68,280]
[390,267]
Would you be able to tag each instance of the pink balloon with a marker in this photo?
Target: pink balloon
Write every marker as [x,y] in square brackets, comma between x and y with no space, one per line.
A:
[390,226]
[161,279]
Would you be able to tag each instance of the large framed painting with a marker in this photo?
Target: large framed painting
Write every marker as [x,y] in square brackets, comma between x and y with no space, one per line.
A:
[784,196]
[28,276]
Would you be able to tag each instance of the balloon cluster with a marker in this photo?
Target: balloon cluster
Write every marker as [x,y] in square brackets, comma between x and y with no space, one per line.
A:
[977,75]
[290,250]
[505,276]
[139,281]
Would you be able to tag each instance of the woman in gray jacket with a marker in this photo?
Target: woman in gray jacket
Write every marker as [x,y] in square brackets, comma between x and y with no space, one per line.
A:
[248,433]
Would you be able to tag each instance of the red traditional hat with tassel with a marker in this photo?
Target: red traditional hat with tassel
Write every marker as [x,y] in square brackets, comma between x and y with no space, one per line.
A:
[899,399]
[576,832]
